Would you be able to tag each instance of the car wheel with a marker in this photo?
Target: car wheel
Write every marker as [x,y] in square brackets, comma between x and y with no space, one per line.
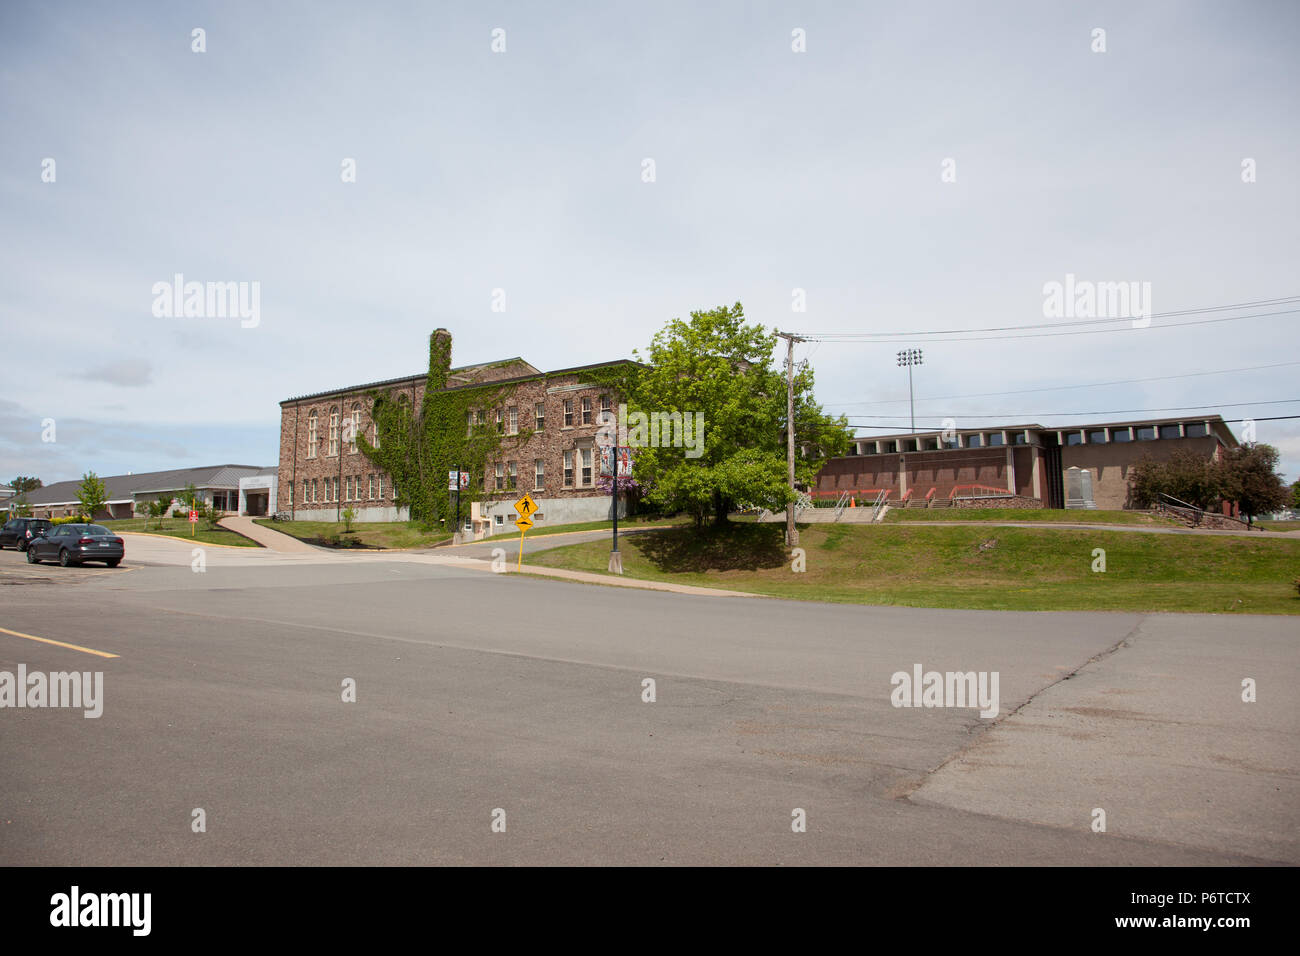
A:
[114,563]
[31,556]
[64,558]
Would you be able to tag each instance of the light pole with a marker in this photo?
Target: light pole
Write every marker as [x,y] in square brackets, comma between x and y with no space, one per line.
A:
[910,357]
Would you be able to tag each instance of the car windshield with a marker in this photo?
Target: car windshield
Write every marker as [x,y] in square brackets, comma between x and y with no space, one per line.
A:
[96,529]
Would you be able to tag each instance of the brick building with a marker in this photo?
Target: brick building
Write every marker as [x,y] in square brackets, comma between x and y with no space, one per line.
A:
[548,423]
[1084,466]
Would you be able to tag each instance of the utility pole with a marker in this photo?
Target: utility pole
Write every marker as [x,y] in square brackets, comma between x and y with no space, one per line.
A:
[791,532]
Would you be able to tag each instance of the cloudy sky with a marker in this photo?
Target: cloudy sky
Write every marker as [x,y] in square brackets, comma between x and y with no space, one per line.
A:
[524,171]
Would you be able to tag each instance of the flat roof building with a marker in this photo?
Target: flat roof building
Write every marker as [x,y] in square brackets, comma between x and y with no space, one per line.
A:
[129,494]
[1076,466]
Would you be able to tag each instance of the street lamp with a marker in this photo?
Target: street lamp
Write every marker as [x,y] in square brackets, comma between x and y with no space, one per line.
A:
[910,357]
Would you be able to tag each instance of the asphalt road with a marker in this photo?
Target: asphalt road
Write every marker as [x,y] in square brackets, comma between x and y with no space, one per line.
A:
[478,691]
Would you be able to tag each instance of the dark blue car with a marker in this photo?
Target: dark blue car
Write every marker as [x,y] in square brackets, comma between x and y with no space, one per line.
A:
[75,544]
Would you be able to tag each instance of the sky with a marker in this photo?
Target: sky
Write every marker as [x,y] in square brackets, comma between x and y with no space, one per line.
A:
[914,167]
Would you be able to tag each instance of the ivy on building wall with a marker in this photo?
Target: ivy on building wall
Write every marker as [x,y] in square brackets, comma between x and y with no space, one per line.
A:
[418,447]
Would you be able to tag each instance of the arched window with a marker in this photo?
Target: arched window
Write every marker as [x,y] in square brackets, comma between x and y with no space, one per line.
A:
[334,433]
[356,428]
[313,436]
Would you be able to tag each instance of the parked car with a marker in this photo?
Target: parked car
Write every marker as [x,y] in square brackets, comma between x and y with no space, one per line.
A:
[19,531]
[75,544]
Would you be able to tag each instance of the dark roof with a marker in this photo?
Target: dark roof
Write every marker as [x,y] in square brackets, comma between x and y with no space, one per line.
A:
[412,379]
[121,487]
[417,379]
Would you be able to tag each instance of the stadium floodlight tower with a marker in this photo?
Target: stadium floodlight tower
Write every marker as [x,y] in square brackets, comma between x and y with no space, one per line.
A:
[910,357]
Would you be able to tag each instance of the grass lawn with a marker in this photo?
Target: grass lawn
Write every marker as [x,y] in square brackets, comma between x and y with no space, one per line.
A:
[1035,569]
[364,534]
[623,523]
[1050,515]
[180,528]
[1279,525]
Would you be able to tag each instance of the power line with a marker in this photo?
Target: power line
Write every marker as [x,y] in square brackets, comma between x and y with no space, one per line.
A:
[1026,416]
[848,338]
[941,426]
[1062,388]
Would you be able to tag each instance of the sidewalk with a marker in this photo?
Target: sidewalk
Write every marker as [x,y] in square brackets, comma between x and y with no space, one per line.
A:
[271,540]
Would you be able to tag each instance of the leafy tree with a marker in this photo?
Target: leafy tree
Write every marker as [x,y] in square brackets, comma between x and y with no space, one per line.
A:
[716,365]
[349,516]
[1295,494]
[211,516]
[1186,475]
[1248,475]
[92,495]
[23,484]
[189,497]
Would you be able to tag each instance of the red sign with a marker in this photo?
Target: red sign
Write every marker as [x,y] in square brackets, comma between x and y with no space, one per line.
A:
[194,517]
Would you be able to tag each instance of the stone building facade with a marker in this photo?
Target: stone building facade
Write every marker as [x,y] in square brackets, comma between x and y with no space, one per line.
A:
[547,422]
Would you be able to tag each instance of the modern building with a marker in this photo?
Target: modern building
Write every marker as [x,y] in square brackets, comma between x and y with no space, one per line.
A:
[129,495]
[1080,466]
[548,421]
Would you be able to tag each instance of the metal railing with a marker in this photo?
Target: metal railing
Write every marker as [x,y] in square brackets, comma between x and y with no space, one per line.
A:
[878,504]
[841,504]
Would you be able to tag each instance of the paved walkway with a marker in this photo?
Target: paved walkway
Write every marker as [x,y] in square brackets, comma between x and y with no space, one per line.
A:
[271,540]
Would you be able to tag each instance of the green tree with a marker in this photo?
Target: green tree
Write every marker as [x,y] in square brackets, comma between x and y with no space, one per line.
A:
[189,497]
[1186,475]
[349,516]
[1248,475]
[23,484]
[92,495]
[1295,494]
[721,368]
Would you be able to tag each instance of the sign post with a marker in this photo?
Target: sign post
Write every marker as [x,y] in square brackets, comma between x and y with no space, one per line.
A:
[453,484]
[526,507]
[194,520]
[616,462]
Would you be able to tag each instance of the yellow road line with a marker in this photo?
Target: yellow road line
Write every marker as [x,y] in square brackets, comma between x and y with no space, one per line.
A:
[46,640]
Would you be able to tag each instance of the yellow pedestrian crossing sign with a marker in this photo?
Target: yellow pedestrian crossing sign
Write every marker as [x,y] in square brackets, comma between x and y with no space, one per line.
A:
[526,506]
[523,523]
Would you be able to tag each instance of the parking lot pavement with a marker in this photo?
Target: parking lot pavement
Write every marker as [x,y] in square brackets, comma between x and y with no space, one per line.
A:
[1158,736]
[479,691]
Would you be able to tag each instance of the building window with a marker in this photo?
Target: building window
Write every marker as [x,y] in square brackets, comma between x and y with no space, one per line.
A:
[1170,431]
[500,520]
[1121,434]
[995,439]
[313,438]
[500,476]
[356,429]
[539,412]
[1022,438]
[291,494]
[469,423]
[605,404]
[974,441]
[568,469]
[1097,437]
[568,413]
[334,434]
[370,487]
[501,422]
[539,474]
[513,422]
[586,467]
[374,431]
[510,475]
[1146,432]
[1197,430]
[889,446]
[1074,438]
[586,411]
[379,487]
